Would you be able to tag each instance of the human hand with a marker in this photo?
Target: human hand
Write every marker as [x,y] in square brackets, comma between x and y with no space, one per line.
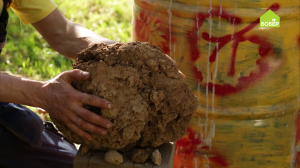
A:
[174,62]
[182,74]
[64,103]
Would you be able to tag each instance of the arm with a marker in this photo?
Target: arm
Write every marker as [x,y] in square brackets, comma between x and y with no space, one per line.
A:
[19,90]
[66,37]
[57,96]
[60,99]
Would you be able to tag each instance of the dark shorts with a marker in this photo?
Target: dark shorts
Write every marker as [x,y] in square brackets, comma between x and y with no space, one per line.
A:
[27,142]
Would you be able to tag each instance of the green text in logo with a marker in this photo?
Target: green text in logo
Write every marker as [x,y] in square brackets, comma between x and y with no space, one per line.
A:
[269,19]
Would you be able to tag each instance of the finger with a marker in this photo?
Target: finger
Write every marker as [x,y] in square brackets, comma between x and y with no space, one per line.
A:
[40,110]
[77,130]
[93,118]
[94,101]
[74,75]
[84,125]
[182,75]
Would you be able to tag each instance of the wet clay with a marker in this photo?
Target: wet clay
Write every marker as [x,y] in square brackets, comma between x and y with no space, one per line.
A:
[152,104]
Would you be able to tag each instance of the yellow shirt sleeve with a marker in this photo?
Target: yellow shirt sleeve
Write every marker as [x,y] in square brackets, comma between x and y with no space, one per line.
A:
[1,5]
[31,11]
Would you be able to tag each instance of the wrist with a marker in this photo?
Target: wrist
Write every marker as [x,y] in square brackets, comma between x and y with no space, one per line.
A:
[19,90]
[37,95]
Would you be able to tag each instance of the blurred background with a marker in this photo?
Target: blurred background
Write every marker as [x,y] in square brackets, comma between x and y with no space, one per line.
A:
[27,54]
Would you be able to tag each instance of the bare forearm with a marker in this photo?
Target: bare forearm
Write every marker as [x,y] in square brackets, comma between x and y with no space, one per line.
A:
[77,38]
[19,90]
[65,36]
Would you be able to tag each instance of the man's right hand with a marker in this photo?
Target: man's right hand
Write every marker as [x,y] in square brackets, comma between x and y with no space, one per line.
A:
[65,104]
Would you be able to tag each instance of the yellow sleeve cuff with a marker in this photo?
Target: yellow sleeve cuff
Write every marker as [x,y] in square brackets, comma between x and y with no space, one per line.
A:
[33,12]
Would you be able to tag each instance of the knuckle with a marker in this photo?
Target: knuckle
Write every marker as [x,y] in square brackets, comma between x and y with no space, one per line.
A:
[88,127]
[90,98]
[63,118]
[86,115]
[81,124]
[81,133]
[76,71]
[101,102]
[72,127]
[67,122]
[62,74]
[101,131]
[80,97]
[101,121]
[92,129]
[70,95]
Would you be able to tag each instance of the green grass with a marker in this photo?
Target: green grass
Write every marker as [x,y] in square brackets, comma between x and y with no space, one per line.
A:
[27,53]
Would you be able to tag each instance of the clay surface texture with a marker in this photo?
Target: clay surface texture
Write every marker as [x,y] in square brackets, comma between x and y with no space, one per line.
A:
[152,104]
[140,155]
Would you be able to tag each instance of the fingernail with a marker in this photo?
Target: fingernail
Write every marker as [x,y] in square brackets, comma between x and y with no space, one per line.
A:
[85,73]
[90,138]
[104,132]
[108,106]
[108,125]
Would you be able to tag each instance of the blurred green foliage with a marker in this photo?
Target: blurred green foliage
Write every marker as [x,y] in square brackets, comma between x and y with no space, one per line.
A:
[27,53]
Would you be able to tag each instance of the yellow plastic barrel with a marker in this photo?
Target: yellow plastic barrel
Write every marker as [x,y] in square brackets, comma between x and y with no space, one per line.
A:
[246,78]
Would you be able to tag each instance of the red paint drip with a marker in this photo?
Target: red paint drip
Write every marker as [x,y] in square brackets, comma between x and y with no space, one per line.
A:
[193,38]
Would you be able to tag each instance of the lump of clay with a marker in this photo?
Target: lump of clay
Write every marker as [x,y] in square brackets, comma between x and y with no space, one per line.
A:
[156,157]
[152,104]
[113,157]
[140,155]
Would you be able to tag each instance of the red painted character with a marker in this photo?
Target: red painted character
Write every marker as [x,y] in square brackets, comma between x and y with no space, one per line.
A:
[264,49]
[190,152]
[189,149]
[297,131]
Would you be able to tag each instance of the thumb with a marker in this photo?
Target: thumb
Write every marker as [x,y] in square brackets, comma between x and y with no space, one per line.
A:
[74,75]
